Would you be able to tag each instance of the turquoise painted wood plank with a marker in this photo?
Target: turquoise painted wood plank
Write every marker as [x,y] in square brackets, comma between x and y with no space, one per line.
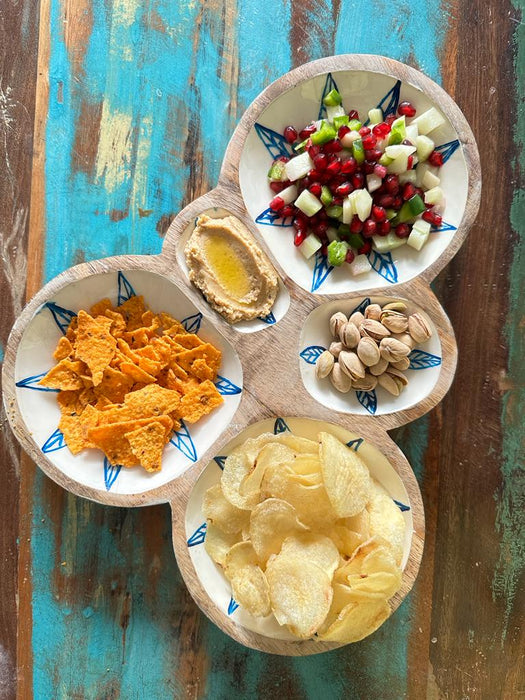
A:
[143,100]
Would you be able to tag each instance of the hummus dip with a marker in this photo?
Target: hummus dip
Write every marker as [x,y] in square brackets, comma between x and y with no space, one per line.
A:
[230,269]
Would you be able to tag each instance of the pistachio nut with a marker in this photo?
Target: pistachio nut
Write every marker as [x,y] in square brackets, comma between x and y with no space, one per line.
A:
[367,351]
[395,321]
[368,383]
[403,363]
[373,329]
[349,335]
[357,318]
[341,381]
[379,367]
[393,350]
[419,328]
[391,384]
[351,364]
[404,338]
[373,311]
[336,321]
[397,375]
[324,364]
[395,306]
[335,348]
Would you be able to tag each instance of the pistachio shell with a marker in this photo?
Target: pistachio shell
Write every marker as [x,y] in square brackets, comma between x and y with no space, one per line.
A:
[393,350]
[335,348]
[368,383]
[397,375]
[368,352]
[373,329]
[341,381]
[336,321]
[373,311]
[357,318]
[389,383]
[395,306]
[351,365]
[403,363]
[395,321]
[379,367]
[349,335]
[324,364]
[404,338]
[419,328]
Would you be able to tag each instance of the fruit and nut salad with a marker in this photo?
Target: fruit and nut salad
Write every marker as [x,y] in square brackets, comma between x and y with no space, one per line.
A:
[372,349]
[352,188]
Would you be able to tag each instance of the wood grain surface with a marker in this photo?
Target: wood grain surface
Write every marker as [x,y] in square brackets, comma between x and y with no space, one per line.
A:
[116,118]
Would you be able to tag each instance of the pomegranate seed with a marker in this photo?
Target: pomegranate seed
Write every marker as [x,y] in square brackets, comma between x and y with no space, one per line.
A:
[410,162]
[307,131]
[315,189]
[420,192]
[374,154]
[288,210]
[356,225]
[277,187]
[385,200]
[353,114]
[402,230]
[358,180]
[343,189]
[322,215]
[368,167]
[349,166]
[438,220]
[334,167]
[406,109]
[369,228]
[299,237]
[378,213]
[332,146]
[409,191]
[391,184]
[320,229]
[365,248]
[397,203]
[343,130]
[365,130]
[277,204]
[380,171]
[383,228]
[369,141]
[284,159]
[290,134]
[436,158]
[320,161]
[312,150]
[337,201]
[390,119]
[301,217]
[381,130]
[350,256]
[324,250]
[314,175]
[432,218]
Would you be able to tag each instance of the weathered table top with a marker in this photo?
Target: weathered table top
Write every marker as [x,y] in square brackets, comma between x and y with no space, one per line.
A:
[113,115]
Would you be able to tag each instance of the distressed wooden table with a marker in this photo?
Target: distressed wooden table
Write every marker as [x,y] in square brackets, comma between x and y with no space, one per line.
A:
[115,114]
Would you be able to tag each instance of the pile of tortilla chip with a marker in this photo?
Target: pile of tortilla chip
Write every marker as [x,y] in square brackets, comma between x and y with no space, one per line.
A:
[127,377]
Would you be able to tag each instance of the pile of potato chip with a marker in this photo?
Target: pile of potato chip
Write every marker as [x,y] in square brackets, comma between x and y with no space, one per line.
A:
[302,531]
[127,377]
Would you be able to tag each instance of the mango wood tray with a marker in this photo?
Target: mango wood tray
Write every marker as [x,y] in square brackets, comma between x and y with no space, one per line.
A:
[267,361]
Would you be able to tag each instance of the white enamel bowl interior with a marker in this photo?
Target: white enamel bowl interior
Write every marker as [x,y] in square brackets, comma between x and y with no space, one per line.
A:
[425,362]
[361,90]
[210,575]
[39,407]
[282,302]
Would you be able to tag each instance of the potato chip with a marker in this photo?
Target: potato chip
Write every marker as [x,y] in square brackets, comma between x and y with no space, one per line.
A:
[381,582]
[218,543]
[273,454]
[313,547]
[94,345]
[356,621]
[298,444]
[346,477]
[147,443]
[270,523]
[386,521]
[300,594]
[221,513]
[346,540]
[250,589]
[63,349]
[241,554]
[64,376]
[307,464]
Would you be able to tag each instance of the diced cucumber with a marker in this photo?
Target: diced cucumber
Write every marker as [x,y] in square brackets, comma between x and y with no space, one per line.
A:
[289,194]
[332,99]
[324,134]
[326,196]
[398,131]
[419,234]
[359,265]
[299,147]
[310,245]
[277,171]
[308,203]
[395,151]
[349,138]
[411,132]
[407,176]
[373,182]
[354,124]
[363,204]
[348,209]
[428,121]
[423,168]
[341,121]
[424,146]
[333,112]
[398,165]
[337,253]
[375,116]
[299,166]
[430,180]
[383,244]
[434,195]
[332,233]
[390,213]
[335,212]
[386,160]
[355,240]
[414,207]
[358,151]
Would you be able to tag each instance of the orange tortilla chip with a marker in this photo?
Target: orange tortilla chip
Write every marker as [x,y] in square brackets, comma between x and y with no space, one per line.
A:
[132,310]
[147,444]
[63,349]
[100,308]
[187,340]
[211,355]
[111,439]
[94,345]
[200,401]
[153,400]
[170,324]
[114,385]
[75,427]
[137,374]
[71,332]
[64,376]
[118,325]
